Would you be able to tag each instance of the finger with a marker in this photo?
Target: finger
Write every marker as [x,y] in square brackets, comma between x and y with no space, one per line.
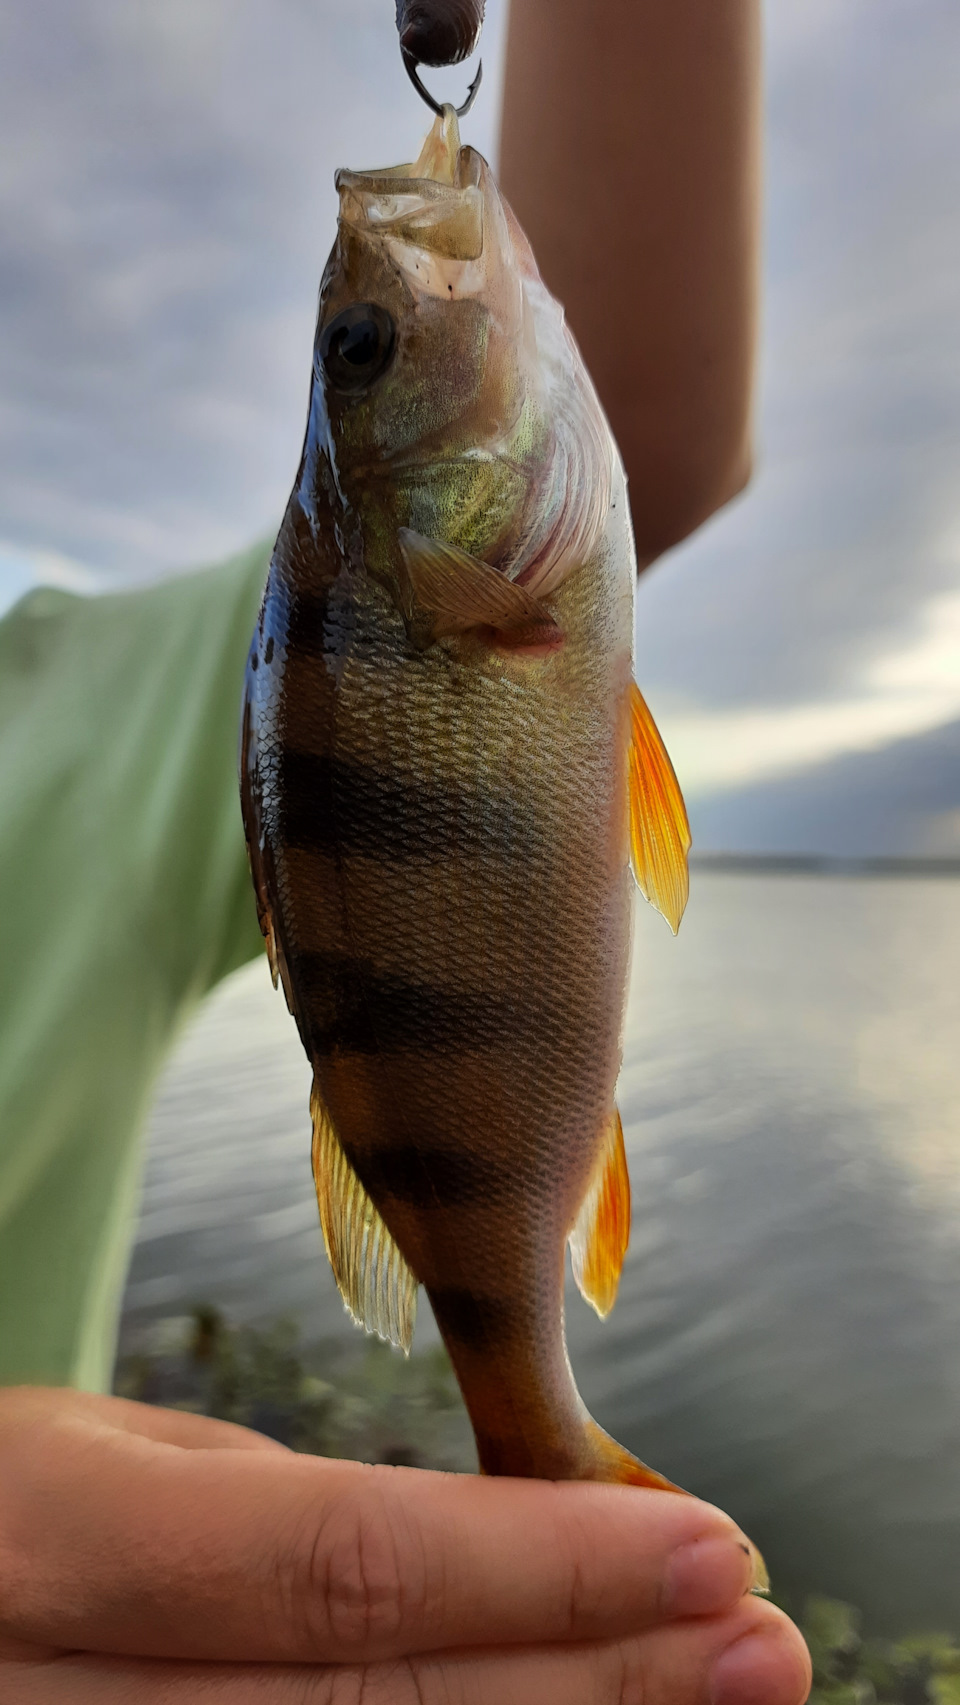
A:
[187,1431]
[111,1542]
[33,1405]
[755,1657]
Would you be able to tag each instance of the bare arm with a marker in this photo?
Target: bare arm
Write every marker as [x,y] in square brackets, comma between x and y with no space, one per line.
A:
[630,150]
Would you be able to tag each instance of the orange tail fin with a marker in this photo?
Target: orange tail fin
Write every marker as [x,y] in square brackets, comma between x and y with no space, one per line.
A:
[613,1463]
[616,1464]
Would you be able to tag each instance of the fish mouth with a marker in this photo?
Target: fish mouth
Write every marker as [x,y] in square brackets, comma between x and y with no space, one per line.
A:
[435,204]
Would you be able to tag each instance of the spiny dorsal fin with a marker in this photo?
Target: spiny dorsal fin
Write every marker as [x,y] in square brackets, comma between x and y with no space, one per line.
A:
[598,1241]
[378,1288]
[448,591]
[249,806]
[659,830]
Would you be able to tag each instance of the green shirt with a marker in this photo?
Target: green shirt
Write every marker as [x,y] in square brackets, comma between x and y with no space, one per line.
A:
[125,897]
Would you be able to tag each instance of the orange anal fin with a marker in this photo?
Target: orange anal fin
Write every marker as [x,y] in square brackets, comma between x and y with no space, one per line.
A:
[376,1283]
[447,591]
[599,1239]
[659,830]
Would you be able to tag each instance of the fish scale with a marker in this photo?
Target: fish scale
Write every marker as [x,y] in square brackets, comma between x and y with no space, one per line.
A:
[445,770]
[470,1013]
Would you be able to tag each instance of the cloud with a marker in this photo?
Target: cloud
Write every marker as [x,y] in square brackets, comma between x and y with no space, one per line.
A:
[838,543]
[908,690]
[166,205]
[901,801]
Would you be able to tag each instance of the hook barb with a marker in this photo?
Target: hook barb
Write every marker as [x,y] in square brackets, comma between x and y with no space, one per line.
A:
[425,95]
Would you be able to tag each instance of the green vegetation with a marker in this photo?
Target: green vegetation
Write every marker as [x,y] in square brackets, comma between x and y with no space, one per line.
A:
[372,1405]
[369,1403]
[848,1670]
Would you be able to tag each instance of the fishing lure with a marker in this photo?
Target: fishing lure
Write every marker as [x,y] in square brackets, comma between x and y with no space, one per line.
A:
[443,33]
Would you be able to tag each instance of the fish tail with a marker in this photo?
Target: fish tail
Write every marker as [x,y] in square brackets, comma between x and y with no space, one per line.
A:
[593,1455]
[610,1462]
[582,1452]
[613,1463]
[528,1418]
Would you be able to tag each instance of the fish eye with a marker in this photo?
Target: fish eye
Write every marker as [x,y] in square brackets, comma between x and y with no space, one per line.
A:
[356,347]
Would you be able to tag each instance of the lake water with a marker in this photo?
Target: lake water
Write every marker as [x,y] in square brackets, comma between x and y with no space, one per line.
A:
[787,1336]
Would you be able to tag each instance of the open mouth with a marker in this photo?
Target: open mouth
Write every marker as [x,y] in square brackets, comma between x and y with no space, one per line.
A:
[434,204]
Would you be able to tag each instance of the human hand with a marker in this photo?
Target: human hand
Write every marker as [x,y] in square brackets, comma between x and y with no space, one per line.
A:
[150,1557]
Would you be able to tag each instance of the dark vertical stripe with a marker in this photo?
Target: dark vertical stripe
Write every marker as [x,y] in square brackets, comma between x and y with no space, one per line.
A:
[330,804]
[300,626]
[353,1008]
[477,1322]
[307,813]
[429,1176]
[506,1455]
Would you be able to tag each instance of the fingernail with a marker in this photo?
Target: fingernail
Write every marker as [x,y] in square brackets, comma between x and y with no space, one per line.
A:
[759,1669]
[705,1576]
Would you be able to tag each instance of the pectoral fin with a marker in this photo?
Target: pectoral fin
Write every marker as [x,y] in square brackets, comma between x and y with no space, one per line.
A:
[659,830]
[599,1239]
[447,591]
[378,1287]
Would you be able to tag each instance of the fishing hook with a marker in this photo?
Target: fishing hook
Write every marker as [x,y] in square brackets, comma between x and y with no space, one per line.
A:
[425,95]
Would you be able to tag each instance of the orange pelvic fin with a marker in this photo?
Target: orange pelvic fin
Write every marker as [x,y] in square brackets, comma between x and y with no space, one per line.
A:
[659,830]
[378,1288]
[447,591]
[599,1239]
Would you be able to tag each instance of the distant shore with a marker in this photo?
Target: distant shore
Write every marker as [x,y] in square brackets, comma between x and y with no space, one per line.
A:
[821,864]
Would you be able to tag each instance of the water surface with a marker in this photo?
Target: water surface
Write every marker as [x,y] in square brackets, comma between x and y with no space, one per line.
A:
[787,1337]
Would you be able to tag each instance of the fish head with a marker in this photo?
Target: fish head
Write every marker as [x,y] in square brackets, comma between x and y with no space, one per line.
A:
[430,408]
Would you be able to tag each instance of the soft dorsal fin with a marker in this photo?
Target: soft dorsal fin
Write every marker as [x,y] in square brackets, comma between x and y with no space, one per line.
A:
[599,1239]
[659,830]
[378,1288]
[448,591]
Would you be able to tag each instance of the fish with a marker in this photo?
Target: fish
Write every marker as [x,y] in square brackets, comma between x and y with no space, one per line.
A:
[451,785]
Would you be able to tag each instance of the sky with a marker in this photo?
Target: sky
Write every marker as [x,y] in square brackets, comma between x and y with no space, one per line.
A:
[166,207]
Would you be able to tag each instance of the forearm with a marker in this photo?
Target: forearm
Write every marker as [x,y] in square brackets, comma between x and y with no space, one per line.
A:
[630,150]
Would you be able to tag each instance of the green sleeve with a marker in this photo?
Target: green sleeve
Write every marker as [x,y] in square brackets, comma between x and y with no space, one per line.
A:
[125,896]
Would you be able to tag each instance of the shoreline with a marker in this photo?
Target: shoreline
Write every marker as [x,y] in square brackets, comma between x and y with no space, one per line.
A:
[823,864]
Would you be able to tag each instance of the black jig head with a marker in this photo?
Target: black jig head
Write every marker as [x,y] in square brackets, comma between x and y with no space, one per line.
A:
[439,32]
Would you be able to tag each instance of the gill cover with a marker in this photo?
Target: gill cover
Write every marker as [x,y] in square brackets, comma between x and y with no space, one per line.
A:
[484,432]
